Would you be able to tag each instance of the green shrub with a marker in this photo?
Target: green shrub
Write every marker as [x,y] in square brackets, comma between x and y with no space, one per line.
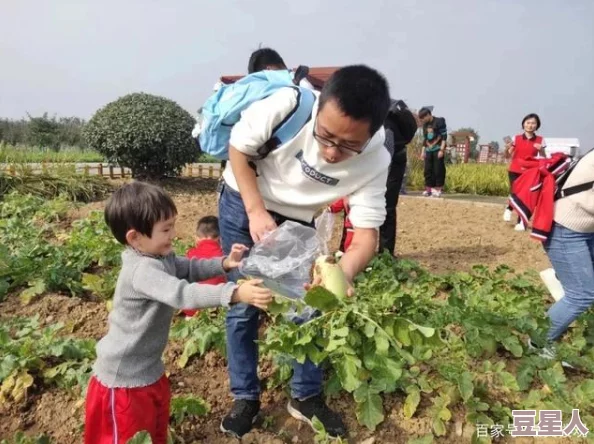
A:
[466,178]
[151,135]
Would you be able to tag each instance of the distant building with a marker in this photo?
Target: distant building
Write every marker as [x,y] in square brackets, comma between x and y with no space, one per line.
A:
[487,154]
[459,142]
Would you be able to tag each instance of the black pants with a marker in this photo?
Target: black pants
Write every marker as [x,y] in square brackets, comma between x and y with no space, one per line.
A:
[512,178]
[395,178]
[435,170]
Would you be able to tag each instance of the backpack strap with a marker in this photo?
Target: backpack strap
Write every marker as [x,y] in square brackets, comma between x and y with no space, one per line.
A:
[574,190]
[291,124]
[570,191]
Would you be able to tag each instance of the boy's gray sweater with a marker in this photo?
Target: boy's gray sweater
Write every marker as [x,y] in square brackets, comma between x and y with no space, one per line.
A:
[147,292]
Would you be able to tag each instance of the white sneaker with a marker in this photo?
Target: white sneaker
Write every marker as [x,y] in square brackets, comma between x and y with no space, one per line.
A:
[507,215]
[435,193]
[520,226]
[426,193]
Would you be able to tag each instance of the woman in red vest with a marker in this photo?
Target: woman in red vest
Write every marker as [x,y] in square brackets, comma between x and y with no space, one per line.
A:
[524,146]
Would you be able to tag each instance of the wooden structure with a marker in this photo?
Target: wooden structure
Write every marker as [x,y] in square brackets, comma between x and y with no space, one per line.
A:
[317,76]
[204,170]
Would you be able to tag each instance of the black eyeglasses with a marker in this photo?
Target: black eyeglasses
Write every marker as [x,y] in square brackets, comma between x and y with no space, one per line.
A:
[331,144]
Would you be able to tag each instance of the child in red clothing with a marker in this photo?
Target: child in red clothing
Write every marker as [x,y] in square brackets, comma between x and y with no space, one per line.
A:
[207,246]
[342,205]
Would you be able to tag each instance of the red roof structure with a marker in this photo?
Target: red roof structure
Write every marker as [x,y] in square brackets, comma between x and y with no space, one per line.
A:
[317,76]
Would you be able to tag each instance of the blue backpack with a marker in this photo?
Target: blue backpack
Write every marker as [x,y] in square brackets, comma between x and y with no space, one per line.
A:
[223,110]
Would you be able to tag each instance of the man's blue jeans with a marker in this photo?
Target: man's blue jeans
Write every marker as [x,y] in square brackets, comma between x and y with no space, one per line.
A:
[242,319]
[572,256]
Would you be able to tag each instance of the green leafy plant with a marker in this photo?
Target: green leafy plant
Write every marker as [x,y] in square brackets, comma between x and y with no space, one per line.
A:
[183,407]
[202,332]
[21,438]
[453,341]
[30,354]
[38,253]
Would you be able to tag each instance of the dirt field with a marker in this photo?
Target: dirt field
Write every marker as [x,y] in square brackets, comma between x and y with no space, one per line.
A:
[443,235]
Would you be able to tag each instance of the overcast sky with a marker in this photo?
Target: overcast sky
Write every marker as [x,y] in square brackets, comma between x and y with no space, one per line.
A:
[481,63]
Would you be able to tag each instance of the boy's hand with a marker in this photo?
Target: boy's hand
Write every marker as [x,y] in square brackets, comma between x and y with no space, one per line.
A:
[251,293]
[234,259]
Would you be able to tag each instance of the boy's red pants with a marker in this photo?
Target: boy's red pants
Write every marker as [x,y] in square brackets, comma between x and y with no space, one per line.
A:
[115,415]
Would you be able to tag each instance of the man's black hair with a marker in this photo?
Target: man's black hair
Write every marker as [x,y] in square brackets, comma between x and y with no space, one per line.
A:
[137,206]
[208,227]
[263,57]
[360,92]
[424,112]
[532,116]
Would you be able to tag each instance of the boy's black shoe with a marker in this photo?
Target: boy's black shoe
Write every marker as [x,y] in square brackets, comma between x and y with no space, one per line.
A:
[241,418]
[315,406]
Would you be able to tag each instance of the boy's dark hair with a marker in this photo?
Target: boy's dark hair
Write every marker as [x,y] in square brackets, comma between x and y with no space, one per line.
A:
[208,227]
[424,112]
[532,116]
[137,206]
[361,93]
[263,57]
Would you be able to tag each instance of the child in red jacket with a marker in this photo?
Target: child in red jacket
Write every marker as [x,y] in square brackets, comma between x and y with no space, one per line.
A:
[207,246]
[347,230]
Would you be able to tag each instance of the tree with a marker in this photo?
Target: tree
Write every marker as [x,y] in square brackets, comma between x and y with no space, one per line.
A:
[71,131]
[43,132]
[495,145]
[13,132]
[149,134]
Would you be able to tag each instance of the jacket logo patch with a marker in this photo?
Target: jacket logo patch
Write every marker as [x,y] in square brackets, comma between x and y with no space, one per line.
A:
[314,174]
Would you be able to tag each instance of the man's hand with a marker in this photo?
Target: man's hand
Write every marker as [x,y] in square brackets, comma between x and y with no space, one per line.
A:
[234,259]
[261,223]
[317,282]
[440,154]
[423,155]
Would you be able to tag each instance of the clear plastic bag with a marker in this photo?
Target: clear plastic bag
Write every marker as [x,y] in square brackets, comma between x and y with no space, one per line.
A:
[324,226]
[283,259]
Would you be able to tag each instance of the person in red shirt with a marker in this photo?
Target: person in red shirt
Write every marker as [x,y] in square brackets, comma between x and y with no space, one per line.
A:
[339,206]
[525,146]
[207,246]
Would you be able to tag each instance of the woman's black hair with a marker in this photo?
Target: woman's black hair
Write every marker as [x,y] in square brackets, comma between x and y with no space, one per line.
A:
[532,116]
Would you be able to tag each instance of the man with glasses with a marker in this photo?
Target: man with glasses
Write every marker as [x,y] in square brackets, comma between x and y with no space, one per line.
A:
[339,152]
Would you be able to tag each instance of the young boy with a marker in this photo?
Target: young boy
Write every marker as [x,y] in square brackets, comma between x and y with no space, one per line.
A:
[342,205]
[129,391]
[207,246]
